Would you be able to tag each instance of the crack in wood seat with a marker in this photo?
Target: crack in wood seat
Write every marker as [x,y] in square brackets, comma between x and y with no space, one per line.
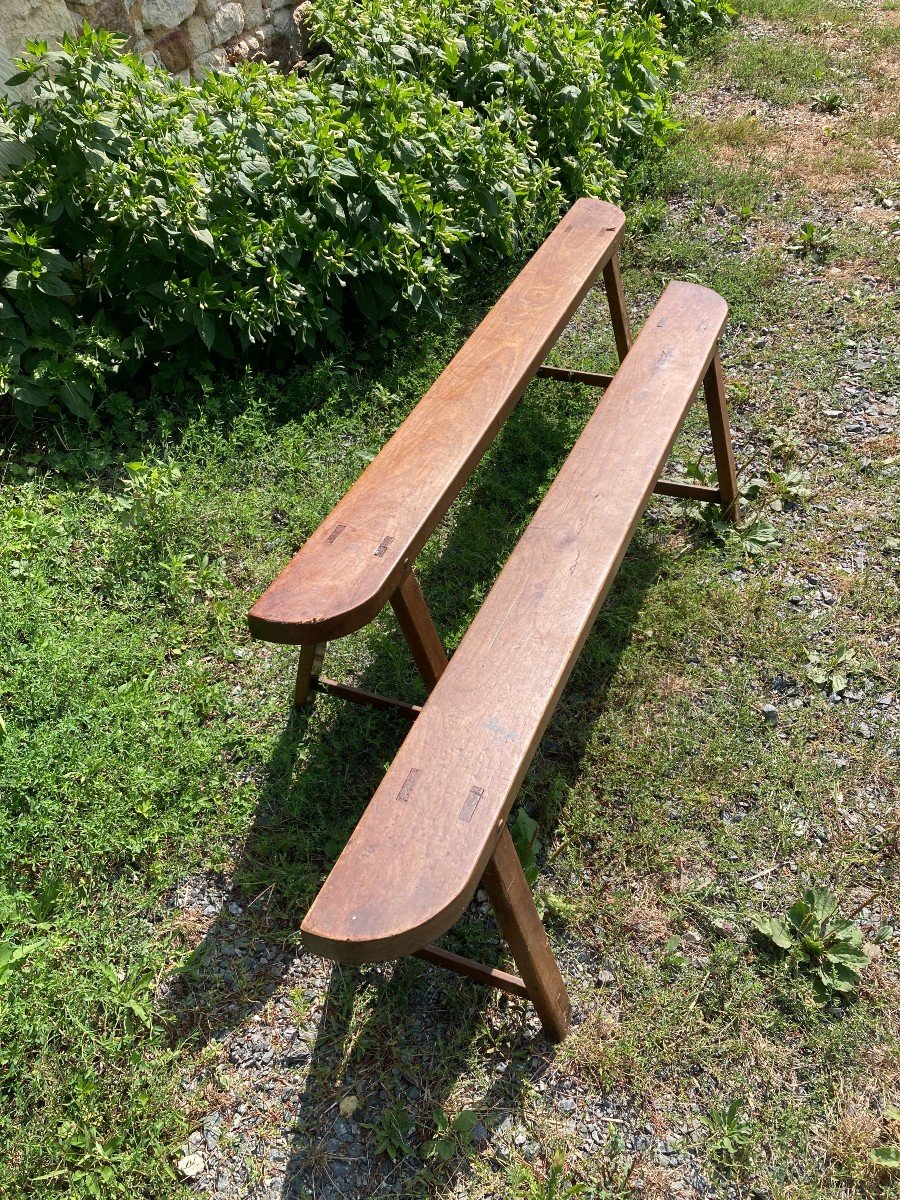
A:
[436,826]
[357,558]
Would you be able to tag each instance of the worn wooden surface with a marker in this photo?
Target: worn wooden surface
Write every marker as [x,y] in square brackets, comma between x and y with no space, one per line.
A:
[358,695]
[618,309]
[714,390]
[505,883]
[351,565]
[423,843]
[308,668]
[418,628]
[489,976]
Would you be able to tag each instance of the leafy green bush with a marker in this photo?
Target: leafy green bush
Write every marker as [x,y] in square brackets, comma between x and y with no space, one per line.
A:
[574,81]
[147,223]
[146,215]
[685,21]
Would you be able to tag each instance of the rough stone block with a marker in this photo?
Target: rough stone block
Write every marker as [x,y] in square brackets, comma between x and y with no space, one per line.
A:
[199,33]
[116,15]
[19,20]
[245,49]
[212,60]
[175,50]
[166,14]
[254,13]
[266,37]
[227,23]
[289,27]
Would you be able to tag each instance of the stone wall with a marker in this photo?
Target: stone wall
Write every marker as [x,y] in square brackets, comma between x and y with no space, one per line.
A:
[24,19]
[21,20]
[185,36]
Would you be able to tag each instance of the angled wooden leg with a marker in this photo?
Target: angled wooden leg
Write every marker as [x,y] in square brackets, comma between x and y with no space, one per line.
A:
[418,628]
[505,883]
[308,668]
[714,390]
[618,312]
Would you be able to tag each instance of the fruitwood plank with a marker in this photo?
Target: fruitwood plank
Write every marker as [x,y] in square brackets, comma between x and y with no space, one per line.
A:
[345,574]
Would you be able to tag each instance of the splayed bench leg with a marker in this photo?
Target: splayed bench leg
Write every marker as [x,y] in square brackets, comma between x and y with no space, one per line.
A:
[418,628]
[714,391]
[312,656]
[506,885]
[618,312]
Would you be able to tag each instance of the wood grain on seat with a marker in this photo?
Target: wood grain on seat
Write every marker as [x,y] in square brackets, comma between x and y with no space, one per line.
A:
[343,576]
[420,848]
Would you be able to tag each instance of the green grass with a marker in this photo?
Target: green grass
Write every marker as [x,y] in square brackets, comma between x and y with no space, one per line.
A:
[798,11]
[779,71]
[146,739]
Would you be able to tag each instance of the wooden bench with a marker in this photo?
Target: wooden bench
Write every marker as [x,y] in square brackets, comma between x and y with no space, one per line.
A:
[436,827]
[361,557]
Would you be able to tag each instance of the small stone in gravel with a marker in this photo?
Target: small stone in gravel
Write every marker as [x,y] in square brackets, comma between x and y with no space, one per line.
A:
[770,712]
[479,1134]
[191,1166]
[605,976]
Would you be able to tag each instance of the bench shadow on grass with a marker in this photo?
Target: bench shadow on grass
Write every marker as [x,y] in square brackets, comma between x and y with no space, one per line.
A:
[396,1036]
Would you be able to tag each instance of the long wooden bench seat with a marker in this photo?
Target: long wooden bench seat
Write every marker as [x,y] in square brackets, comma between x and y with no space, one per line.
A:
[437,824]
[361,556]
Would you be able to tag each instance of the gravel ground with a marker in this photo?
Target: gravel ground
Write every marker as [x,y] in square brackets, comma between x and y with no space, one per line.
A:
[274,1129]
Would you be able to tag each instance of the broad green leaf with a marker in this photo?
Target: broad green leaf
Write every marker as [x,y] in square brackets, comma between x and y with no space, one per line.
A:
[74,400]
[800,915]
[848,956]
[13,957]
[524,835]
[30,393]
[465,1121]
[887,1157]
[775,930]
[839,977]
[844,931]
[822,902]
[207,327]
